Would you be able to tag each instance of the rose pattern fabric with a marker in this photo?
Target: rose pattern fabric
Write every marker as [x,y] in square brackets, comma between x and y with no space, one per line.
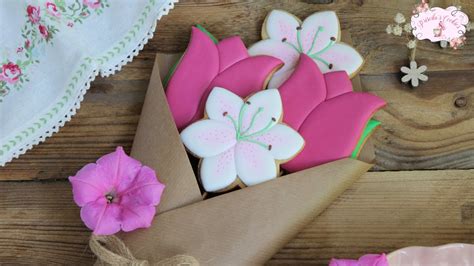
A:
[39,29]
[10,73]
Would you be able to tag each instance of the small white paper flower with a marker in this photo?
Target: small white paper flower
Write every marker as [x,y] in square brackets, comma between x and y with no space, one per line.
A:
[286,37]
[414,74]
[411,44]
[399,18]
[397,30]
[241,140]
[407,28]
[389,29]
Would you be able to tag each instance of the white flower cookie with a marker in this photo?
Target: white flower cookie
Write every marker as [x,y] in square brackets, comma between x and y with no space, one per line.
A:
[284,36]
[241,143]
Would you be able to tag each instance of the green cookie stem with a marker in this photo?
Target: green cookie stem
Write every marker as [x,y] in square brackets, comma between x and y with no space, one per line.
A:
[369,128]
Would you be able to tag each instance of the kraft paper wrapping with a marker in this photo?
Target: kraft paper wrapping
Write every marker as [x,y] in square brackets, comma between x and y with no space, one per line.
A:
[244,227]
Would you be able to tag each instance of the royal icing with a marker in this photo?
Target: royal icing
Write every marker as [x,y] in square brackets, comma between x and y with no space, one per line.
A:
[327,113]
[241,141]
[207,64]
[285,37]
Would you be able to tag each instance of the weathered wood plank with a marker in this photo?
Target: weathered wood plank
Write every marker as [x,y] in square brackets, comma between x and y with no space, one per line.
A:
[381,212]
[422,128]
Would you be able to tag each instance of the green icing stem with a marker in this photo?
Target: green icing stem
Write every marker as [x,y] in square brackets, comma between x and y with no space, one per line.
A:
[369,128]
[173,68]
[207,33]
[171,72]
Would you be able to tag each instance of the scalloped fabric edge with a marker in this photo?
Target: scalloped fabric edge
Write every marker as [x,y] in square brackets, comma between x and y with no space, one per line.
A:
[107,64]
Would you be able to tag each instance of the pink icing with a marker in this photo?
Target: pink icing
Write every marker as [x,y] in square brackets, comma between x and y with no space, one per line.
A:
[326,112]
[206,65]
[366,260]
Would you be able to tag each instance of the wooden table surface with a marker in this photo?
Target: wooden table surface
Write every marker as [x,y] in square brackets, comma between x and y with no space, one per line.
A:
[421,191]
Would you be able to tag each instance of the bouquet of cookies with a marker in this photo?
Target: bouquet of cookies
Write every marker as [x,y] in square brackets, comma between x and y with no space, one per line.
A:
[249,145]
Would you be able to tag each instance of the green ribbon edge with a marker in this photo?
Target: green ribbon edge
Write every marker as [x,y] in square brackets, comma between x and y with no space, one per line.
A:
[173,68]
[369,128]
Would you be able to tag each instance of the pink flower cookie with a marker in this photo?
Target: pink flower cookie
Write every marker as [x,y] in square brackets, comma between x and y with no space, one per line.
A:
[318,36]
[208,63]
[241,143]
[333,120]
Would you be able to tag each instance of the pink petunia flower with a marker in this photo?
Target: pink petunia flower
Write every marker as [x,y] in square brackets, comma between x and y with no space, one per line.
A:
[33,14]
[116,193]
[92,3]
[10,73]
[52,9]
[366,260]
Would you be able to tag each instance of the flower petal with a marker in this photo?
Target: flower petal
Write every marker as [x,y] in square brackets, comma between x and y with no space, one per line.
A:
[326,25]
[284,142]
[218,172]
[278,49]
[406,78]
[342,57]
[89,184]
[281,25]
[337,83]
[279,78]
[121,168]
[261,111]
[208,138]
[136,216]
[243,78]
[145,190]
[254,163]
[195,71]
[231,50]
[333,129]
[102,218]
[223,104]
[304,90]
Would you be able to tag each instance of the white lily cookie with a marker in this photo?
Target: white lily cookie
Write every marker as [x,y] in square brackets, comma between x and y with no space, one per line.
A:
[241,143]
[284,36]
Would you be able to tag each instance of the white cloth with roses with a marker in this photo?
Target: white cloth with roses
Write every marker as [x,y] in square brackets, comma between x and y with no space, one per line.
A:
[50,51]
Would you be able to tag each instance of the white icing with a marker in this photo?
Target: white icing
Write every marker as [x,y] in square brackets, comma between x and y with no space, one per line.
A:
[278,49]
[341,52]
[280,25]
[330,24]
[269,102]
[207,138]
[218,172]
[241,139]
[285,142]
[318,37]
[254,163]
[222,101]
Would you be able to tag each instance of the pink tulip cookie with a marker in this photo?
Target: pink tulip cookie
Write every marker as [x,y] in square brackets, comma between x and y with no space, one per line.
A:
[284,36]
[333,120]
[241,143]
[207,63]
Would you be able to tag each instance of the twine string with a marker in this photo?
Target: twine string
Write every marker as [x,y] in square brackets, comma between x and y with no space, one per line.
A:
[110,250]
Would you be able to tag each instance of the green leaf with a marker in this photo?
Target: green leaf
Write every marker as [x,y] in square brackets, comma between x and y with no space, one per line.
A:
[369,129]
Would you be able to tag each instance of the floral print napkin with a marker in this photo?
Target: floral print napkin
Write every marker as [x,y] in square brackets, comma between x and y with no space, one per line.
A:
[50,51]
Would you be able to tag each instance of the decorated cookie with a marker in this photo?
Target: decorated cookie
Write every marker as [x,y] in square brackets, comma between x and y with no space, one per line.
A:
[241,143]
[207,63]
[334,121]
[318,36]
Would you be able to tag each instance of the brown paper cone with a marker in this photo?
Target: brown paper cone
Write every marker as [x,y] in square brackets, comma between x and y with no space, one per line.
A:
[244,227]
[248,226]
